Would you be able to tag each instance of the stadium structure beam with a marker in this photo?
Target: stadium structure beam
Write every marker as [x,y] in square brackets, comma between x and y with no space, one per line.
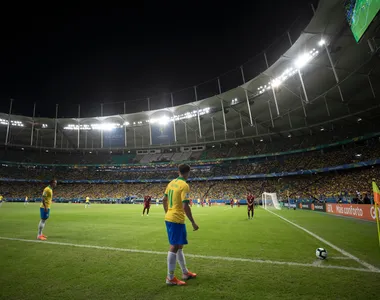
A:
[303,86]
[370,84]
[55,126]
[224,115]
[38,134]
[85,139]
[9,122]
[125,126]
[327,106]
[150,134]
[186,138]
[213,128]
[61,139]
[101,129]
[290,39]
[32,132]
[290,120]
[333,68]
[195,93]
[219,86]
[134,136]
[148,99]
[303,105]
[78,138]
[242,74]
[257,130]
[241,124]
[172,99]
[270,113]
[199,123]
[248,106]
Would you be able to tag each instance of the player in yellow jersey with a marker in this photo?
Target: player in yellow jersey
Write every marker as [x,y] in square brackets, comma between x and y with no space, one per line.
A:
[87,204]
[176,206]
[1,200]
[26,200]
[47,198]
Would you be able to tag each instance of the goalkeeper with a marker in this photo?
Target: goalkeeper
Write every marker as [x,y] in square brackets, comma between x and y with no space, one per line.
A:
[251,205]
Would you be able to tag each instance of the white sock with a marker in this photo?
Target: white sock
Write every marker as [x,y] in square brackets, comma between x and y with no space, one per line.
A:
[182,261]
[172,260]
[41,226]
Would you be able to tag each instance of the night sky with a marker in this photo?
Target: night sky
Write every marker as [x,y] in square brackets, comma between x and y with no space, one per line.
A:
[90,55]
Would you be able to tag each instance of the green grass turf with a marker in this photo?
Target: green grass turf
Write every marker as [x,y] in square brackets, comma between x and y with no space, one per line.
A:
[46,271]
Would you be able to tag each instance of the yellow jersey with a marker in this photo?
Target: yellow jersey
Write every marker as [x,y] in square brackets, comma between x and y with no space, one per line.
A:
[1,198]
[87,199]
[177,192]
[47,197]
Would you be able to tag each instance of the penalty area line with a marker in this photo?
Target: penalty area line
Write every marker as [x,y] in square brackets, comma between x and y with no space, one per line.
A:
[219,258]
[340,250]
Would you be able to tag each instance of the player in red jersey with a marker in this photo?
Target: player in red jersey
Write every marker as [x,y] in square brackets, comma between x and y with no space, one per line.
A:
[191,203]
[232,203]
[251,205]
[147,200]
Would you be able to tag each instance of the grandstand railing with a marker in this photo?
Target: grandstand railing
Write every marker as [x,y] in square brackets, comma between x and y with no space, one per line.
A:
[212,161]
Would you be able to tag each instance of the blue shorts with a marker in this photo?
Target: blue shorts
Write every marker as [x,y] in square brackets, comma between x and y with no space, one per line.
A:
[44,215]
[176,233]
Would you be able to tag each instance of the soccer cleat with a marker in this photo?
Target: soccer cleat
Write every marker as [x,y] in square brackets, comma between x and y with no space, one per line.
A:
[41,238]
[174,281]
[45,236]
[189,275]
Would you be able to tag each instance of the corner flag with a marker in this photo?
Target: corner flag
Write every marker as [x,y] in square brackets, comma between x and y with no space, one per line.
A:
[376,199]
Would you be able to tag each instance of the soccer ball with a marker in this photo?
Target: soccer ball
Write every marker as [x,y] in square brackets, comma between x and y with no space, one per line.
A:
[321,253]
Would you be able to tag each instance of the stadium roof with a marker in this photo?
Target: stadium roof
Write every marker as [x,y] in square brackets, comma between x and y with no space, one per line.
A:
[279,104]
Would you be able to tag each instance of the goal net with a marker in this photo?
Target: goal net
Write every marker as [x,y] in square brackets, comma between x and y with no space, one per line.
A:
[270,201]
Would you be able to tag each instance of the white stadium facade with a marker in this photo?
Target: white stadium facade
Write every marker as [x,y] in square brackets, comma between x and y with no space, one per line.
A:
[312,79]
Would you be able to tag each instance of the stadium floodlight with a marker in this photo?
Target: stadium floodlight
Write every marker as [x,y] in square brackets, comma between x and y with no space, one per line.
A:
[359,119]
[105,126]
[126,123]
[358,155]
[322,129]
[302,60]
[261,140]
[322,42]
[44,126]
[164,120]
[276,82]
[289,136]
[75,127]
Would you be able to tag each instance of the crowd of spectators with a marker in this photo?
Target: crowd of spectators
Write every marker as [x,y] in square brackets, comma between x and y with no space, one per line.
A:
[343,185]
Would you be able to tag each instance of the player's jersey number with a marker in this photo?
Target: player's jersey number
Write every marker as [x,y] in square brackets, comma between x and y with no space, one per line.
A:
[170,195]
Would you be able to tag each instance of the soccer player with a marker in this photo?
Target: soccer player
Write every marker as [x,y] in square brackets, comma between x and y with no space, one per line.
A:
[87,203]
[1,200]
[251,205]
[47,198]
[157,202]
[147,200]
[26,201]
[238,203]
[232,203]
[176,206]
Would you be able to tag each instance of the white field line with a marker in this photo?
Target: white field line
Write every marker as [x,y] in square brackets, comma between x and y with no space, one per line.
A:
[363,263]
[220,258]
[339,258]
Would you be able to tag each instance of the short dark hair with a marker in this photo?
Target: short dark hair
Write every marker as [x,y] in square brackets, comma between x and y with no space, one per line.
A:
[183,169]
[52,181]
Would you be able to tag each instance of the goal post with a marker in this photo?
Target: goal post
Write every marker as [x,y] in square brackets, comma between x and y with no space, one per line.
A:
[270,201]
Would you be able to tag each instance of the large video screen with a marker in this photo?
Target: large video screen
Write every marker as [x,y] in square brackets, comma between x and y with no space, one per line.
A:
[360,14]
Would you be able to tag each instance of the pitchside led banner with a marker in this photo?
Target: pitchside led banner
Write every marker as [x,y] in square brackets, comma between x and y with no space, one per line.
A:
[113,138]
[162,134]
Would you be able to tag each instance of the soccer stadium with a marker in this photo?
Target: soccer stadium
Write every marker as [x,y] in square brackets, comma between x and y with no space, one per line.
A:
[297,127]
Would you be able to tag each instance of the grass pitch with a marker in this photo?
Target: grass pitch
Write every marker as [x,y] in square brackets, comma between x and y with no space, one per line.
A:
[112,252]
